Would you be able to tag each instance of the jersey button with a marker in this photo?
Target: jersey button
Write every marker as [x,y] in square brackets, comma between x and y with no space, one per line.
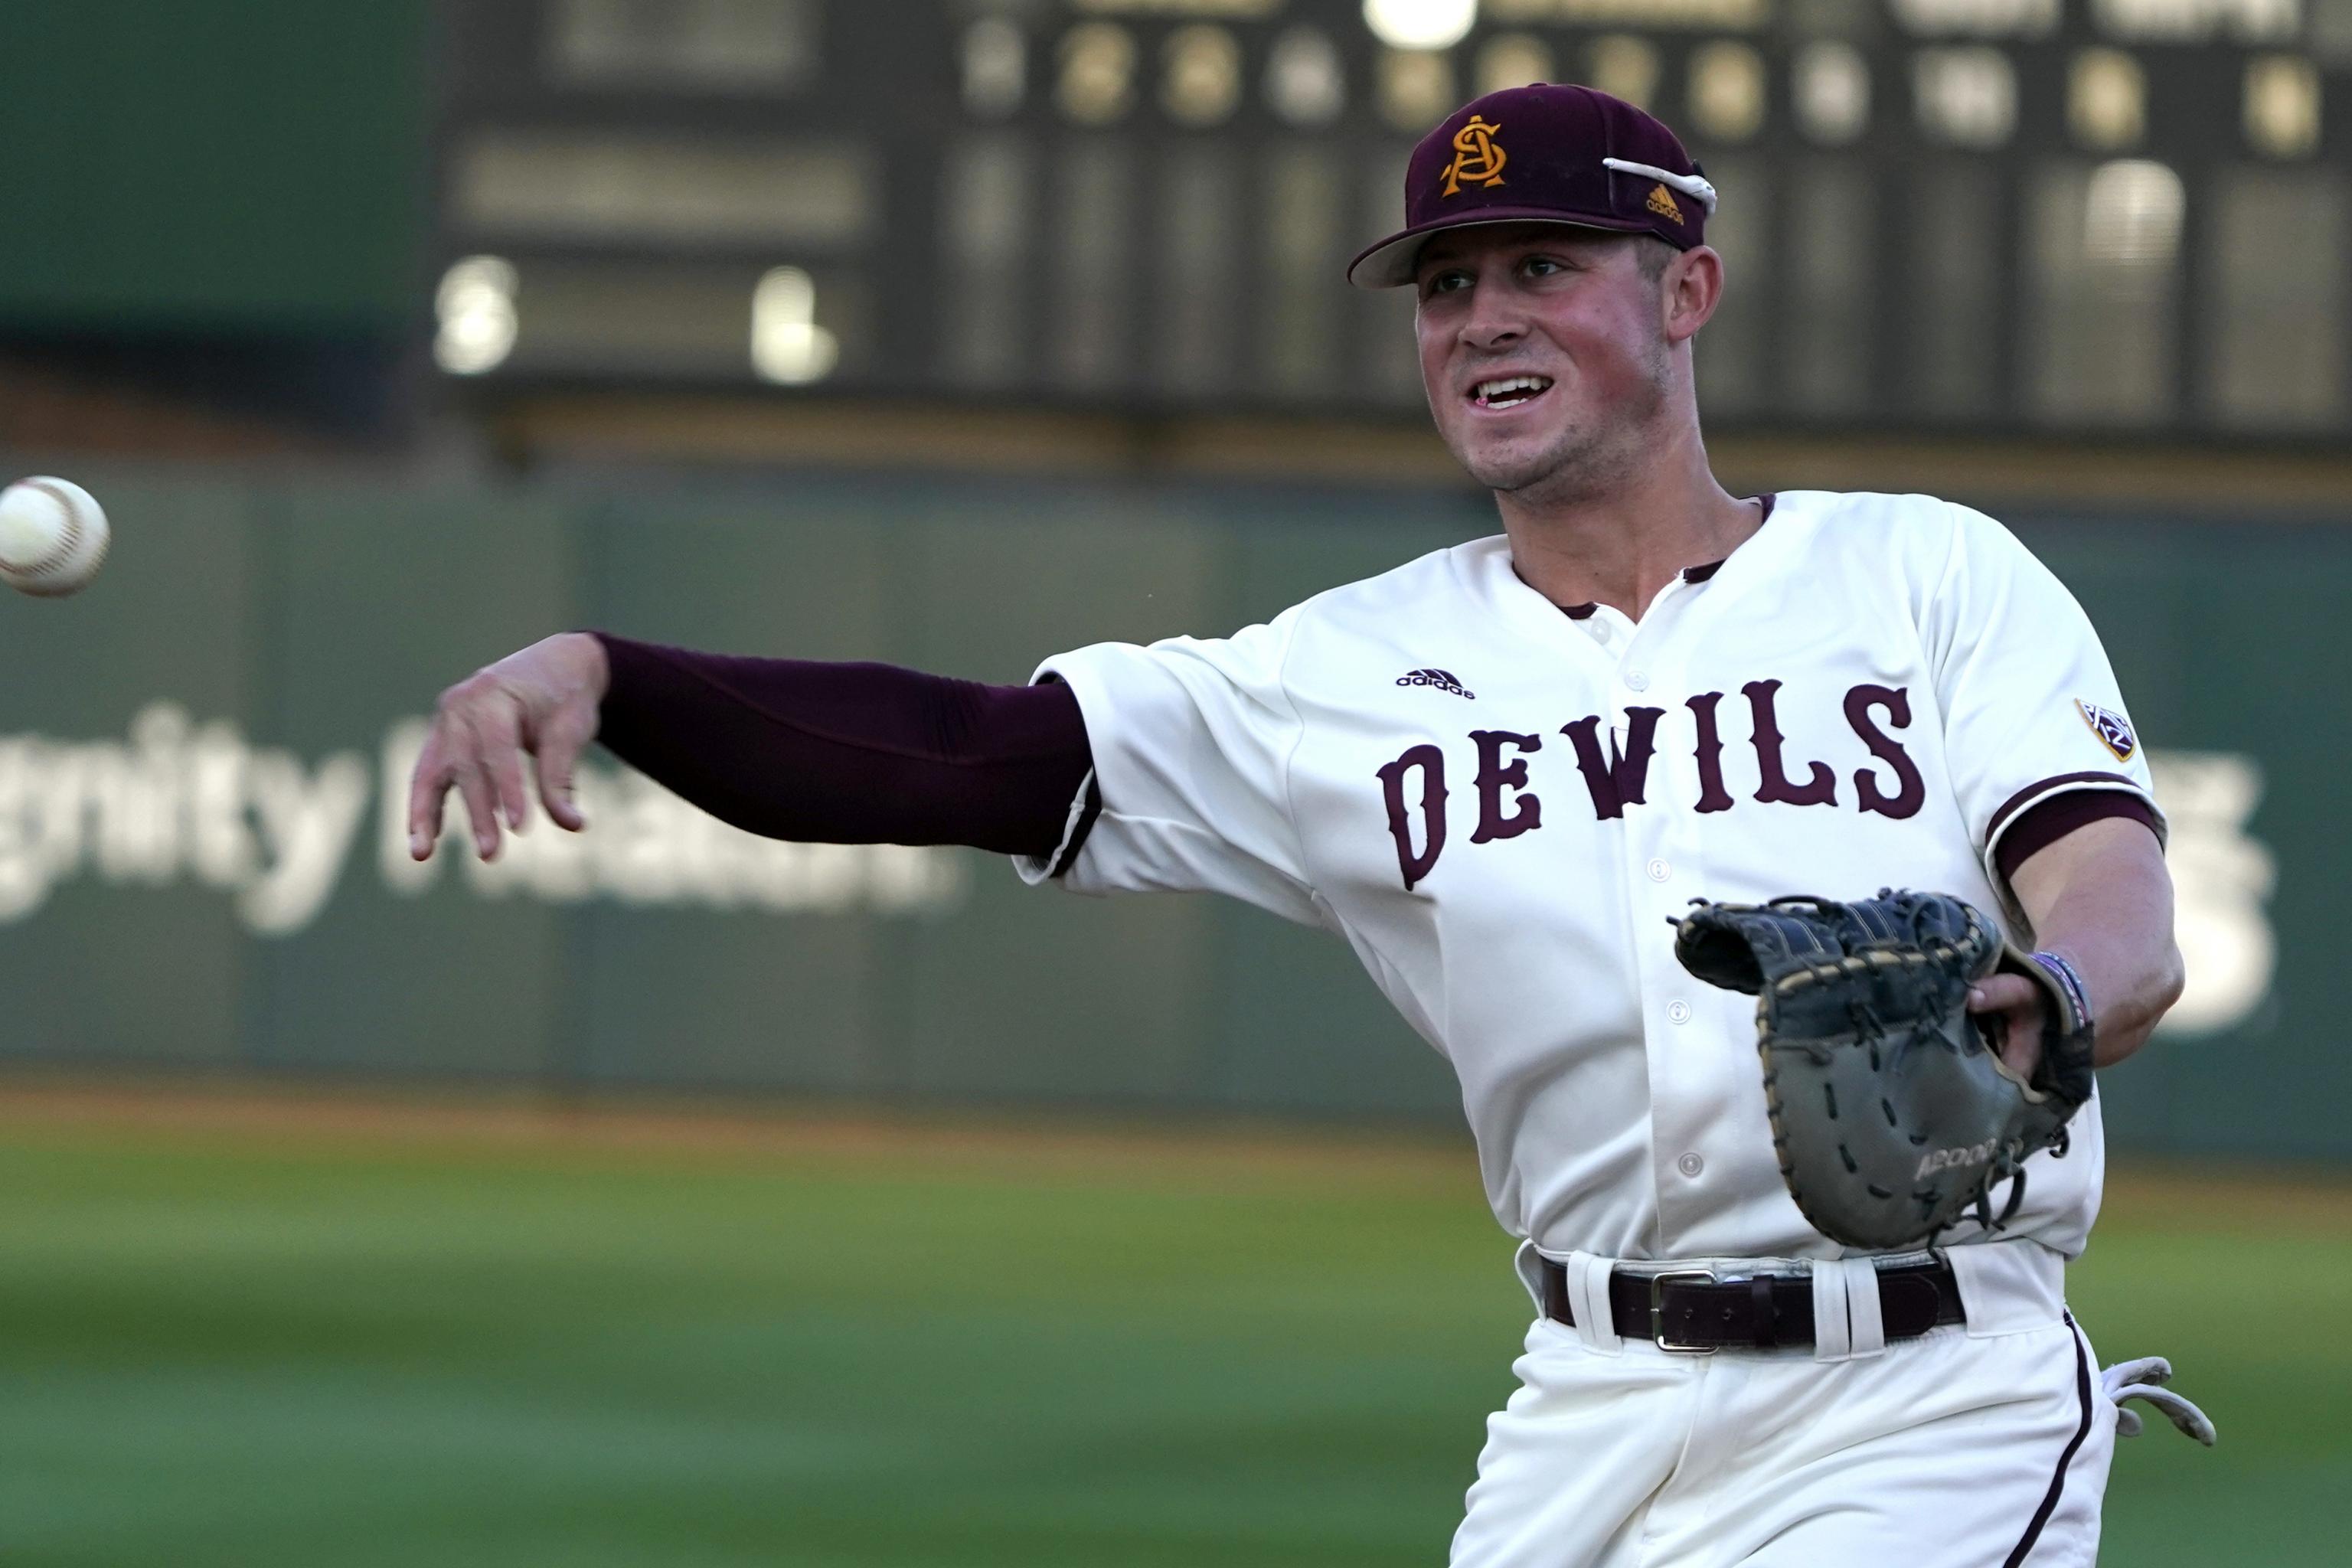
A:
[1636,681]
[1659,870]
[1690,1166]
[1678,1012]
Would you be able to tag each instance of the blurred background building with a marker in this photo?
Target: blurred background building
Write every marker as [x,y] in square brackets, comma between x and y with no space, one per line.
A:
[745,229]
[956,332]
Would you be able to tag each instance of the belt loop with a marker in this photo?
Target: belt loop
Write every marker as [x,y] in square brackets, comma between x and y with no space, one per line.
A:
[1864,1306]
[1833,1340]
[1588,1301]
[1847,1322]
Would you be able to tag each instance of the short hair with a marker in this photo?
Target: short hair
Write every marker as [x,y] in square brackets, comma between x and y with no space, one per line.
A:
[1653,255]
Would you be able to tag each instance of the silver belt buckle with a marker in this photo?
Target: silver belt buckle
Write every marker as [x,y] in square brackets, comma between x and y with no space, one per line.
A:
[1658,1311]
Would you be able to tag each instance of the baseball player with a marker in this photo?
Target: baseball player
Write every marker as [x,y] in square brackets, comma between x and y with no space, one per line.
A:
[1499,773]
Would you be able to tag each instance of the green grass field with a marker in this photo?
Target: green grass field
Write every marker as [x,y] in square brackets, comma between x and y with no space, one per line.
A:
[317,1338]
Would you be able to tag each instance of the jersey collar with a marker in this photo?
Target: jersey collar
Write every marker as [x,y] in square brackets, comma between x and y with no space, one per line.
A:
[1691,574]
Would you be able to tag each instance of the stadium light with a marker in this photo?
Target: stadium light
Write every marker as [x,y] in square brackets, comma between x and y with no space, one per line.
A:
[474,307]
[787,345]
[995,67]
[1303,80]
[2282,105]
[1420,23]
[1833,96]
[2133,211]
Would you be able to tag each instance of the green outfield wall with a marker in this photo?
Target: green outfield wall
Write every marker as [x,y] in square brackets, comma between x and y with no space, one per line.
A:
[201,758]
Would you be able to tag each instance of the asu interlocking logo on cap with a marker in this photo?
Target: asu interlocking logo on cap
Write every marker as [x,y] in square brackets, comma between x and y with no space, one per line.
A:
[1477,157]
[1575,157]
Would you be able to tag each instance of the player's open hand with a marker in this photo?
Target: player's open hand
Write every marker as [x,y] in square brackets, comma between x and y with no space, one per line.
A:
[541,702]
[2012,1010]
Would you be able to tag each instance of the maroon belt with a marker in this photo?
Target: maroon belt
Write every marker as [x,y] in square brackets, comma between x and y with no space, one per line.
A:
[1697,1311]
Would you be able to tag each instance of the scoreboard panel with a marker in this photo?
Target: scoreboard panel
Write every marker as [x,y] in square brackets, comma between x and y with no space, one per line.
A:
[1982,215]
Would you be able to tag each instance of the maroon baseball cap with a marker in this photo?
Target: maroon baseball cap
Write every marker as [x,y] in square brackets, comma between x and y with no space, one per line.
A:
[1546,154]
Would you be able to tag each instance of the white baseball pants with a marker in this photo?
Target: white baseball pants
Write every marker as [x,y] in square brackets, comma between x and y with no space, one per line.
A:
[1982,1447]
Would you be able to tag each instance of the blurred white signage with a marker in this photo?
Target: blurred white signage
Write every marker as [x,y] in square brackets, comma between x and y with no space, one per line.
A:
[179,801]
[2222,878]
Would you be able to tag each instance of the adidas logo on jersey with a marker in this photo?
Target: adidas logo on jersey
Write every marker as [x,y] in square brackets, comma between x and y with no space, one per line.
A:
[1437,678]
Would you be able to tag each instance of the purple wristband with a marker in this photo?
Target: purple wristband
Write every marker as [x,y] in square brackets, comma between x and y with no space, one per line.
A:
[2068,981]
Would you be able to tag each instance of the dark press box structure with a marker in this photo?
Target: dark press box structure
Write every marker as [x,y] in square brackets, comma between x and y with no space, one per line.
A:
[2039,215]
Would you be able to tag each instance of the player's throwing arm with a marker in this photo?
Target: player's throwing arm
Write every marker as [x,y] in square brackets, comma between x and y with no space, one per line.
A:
[813,751]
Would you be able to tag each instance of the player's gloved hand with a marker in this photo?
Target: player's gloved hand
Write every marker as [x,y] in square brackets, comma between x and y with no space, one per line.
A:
[2144,1379]
[541,702]
[1892,1117]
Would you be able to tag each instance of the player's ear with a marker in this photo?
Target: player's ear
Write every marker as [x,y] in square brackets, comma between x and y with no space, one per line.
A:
[1689,292]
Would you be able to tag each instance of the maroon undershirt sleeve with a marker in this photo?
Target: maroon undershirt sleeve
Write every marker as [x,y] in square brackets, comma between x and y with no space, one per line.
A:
[849,753]
[2047,822]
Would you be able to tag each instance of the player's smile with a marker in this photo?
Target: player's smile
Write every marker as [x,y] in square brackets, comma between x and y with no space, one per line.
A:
[1506,392]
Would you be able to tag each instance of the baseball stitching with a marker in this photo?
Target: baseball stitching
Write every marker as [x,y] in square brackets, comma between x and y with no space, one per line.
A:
[35,577]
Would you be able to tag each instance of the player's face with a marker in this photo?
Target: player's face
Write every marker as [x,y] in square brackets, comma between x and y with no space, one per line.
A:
[1543,350]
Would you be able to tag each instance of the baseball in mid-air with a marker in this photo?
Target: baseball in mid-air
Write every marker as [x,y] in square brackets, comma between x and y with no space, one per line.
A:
[52,537]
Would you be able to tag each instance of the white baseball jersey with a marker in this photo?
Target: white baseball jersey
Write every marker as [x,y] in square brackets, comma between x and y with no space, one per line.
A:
[1501,804]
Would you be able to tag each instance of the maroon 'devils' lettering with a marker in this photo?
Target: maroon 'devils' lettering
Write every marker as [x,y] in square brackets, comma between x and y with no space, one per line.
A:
[1432,763]
[1910,790]
[1621,779]
[1773,785]
[1495,776]
[1616,773]
[1712,795]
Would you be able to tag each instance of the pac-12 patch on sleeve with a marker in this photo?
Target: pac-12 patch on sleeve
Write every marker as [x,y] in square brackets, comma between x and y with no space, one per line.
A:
[2114,730]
